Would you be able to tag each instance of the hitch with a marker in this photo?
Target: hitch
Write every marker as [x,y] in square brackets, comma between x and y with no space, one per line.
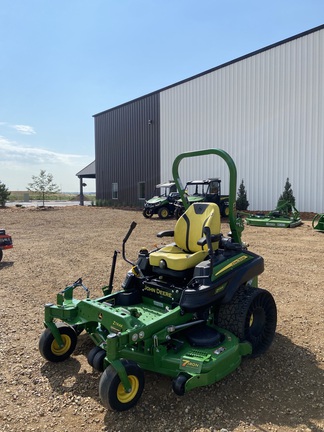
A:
[67,294]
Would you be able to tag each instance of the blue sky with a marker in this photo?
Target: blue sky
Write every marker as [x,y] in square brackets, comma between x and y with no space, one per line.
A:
[63,61]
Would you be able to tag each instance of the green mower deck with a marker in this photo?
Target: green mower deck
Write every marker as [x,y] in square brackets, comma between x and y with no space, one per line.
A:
[274,222]
[190,310]
[284,216]
[318,222]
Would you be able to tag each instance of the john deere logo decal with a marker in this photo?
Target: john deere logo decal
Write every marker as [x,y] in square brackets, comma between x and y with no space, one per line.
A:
[158,291]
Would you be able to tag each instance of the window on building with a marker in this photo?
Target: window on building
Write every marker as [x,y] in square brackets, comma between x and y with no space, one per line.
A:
[141,190]
[115,191]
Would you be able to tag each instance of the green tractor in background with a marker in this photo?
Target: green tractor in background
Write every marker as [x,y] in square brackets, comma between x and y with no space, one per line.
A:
[203,191]
[190,310]
[163,203]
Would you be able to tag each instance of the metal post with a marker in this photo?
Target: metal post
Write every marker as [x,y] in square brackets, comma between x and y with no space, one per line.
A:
[81,192]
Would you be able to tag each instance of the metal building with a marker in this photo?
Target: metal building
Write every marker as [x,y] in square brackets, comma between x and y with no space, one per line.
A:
[266,109]
[127,145]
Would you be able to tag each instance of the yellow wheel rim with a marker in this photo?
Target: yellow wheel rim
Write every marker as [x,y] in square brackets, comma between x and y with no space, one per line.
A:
[227,211]
[125,397]
[57,350]
[164,213]
[251,320]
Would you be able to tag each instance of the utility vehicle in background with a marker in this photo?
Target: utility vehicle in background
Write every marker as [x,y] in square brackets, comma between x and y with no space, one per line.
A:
[162,203]
[203,191]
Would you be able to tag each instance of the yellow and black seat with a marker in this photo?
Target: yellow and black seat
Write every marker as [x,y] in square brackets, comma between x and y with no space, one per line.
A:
[190,246]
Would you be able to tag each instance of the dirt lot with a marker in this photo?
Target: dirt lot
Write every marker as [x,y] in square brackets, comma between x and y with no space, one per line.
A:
[280,391]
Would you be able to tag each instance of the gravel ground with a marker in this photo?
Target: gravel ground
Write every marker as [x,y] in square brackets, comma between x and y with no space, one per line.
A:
[280,391]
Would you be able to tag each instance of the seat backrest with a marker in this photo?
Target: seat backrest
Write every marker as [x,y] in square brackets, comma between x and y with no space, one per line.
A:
[189,227]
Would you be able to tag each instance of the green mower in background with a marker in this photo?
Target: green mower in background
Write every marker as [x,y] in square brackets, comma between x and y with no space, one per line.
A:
[284,216]
[318,222]
[190,310]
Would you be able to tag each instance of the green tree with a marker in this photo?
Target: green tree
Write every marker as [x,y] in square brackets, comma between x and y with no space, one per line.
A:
[43,184]
[287,195]
[241,202]
[4,194]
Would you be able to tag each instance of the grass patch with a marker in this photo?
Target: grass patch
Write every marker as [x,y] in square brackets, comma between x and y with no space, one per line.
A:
[29,196]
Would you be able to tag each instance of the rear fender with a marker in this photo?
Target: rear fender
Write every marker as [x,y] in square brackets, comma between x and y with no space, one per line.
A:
[248,272]
[222,289]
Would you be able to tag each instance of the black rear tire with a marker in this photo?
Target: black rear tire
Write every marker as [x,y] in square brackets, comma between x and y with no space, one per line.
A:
[252,316]
[147,213]
[225,211]
[178,212]
[1,254]
[164,213]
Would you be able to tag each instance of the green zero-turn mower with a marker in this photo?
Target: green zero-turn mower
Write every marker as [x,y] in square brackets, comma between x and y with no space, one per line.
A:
[189,310]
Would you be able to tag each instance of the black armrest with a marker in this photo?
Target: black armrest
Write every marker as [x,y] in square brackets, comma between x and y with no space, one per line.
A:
[202,241]
[214,238]
[168,233]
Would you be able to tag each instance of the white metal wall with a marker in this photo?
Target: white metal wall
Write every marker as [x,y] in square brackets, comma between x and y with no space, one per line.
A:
[266,111]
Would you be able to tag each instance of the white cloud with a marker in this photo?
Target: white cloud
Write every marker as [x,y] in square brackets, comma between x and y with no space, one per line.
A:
[18,163]
[11,151]
[24,129]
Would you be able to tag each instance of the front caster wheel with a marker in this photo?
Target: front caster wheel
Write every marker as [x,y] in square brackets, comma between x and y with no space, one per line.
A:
[99,361]
[51,350]
[112,392]
[92,353]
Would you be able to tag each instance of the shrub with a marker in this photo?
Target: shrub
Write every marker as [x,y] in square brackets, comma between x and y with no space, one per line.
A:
[241,202]
[4,194]
[287,195]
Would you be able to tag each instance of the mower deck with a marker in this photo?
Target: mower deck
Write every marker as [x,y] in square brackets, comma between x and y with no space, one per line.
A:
[146,334]
[271,221]
[284,216]
[318,222]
